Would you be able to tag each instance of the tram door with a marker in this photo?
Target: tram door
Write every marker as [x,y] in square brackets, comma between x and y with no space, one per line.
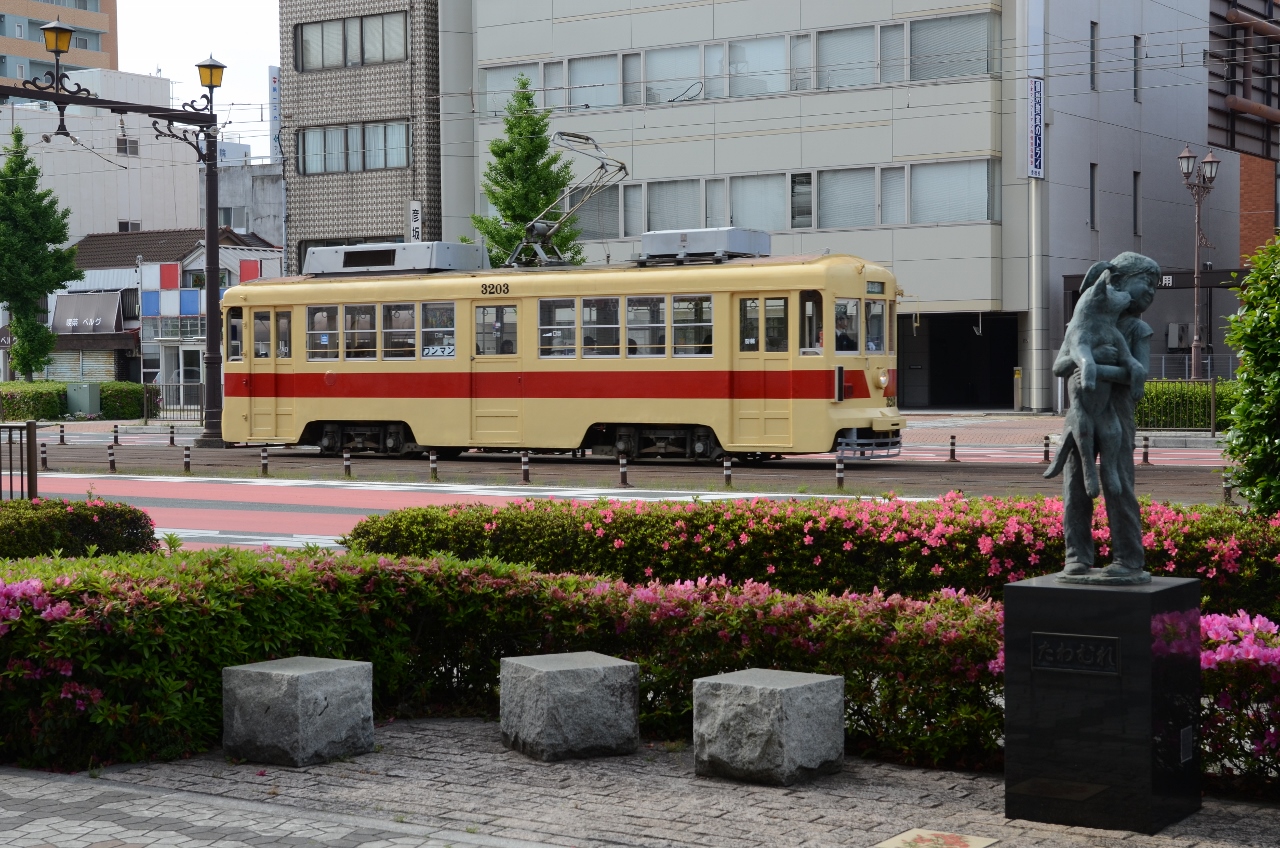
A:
[762,370]
[497,382]
[270,374]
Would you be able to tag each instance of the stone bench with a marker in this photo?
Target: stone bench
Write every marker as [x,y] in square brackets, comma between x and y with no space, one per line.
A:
[297,711]
[766,726]
[563,706]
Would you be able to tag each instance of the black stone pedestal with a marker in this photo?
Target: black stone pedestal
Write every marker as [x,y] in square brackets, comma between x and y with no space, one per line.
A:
[1102,703]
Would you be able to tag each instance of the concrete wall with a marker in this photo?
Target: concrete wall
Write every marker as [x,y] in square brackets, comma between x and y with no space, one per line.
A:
[259,188]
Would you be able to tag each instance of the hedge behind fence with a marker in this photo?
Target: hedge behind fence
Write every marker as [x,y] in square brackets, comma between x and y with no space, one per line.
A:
[121,658]
[42,400]
[1182,405]
[124,401]
[912,548]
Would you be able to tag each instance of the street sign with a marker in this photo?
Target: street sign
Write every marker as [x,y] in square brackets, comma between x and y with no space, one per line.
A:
[1035,128]
[413,221]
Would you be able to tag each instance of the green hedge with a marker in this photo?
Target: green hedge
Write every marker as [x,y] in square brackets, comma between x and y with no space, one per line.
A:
[1180,405]
[71,528]
[121,658]
[913,548]
[124,401]
[42,400]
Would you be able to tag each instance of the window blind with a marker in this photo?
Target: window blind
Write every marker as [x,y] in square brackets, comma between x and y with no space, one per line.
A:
[598,217]
[632,210]
[671,73]
[312,47]
[394,45]
[355,148]
[673,205]
[712,71]
[631,79]
[758,66]
[313,151]
[801,63]
[949,191]
[375,146]
[332,44]
[593,81]
[373,51]
[758,202]
[949,47]
[893,54]
[335,149]
[893,196]
[553,82]
[847,57]
[847,198]
[353,42]
[500,82]
[716,212]
[397,145]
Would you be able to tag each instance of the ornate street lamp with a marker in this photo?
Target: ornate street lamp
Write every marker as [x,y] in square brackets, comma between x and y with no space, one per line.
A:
[1199,181]
[57,40]
[211,71]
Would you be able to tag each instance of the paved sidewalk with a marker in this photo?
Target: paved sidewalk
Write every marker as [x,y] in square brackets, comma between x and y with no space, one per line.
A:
[452,776]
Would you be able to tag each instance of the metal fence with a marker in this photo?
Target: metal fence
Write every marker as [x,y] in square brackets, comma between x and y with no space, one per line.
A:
[174,402]
[1179,405]
[18,462]
[1177,366]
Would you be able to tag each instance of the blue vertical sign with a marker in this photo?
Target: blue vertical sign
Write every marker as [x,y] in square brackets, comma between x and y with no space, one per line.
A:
[1035,128]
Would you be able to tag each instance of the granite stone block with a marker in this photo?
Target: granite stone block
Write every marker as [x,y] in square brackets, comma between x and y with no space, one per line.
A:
[297,711]
[565,706]
[767,726]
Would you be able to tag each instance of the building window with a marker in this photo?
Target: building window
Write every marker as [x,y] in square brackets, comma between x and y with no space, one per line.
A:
[758,66]
[349,42]
[1093,196]
[593,82]
[358,147]
[673,74]
[955,46]
[673,205]
[191,327]
[801,201]
[632,84]
[847,198]
[598,217]
[1137,203]
[552,86]
[501,82]
[758,202]
[130,226]
[944,192]
[893,195]
[717,204]
[632,210]
[195,279]
[847,57]
[235,217]
[801,63]
[1137,69]
[1093,55]
[126,146]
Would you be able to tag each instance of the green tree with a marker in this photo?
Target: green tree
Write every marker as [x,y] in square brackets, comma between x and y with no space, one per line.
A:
[1254,333]
[32,265]
[524,178]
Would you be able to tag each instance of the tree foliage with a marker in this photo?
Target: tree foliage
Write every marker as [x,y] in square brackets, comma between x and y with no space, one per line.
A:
[524,178]
[32,265]
[1254,333]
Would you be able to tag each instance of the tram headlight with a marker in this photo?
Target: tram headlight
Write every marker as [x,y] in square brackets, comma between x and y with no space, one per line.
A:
[883,379]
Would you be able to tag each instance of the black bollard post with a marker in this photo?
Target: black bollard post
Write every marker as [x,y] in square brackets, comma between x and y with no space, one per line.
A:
[840,471]
[622,470]
[346,462]
[263,456]
[186,459]
[44,457]
[952,458]
[524,466]
[435,467]
[1146,450]
[111,458]
[728,472]
[115,434]
[172,443]
[1226,487]
[62,434]
[1046,451]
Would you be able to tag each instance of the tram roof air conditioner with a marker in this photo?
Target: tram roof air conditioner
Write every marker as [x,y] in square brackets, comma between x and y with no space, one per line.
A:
[705,245]
[394,258]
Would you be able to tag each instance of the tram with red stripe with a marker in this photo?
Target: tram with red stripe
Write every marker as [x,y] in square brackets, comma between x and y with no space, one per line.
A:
[754,357]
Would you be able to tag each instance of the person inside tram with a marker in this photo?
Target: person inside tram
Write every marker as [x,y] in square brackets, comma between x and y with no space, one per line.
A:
[588,345]
[508,346]
[632,347]
[843,340]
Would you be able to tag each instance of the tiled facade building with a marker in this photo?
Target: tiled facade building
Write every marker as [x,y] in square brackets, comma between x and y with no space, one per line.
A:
[22,53]
[360,120]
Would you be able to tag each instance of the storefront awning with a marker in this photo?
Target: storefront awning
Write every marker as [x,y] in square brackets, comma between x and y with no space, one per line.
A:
[82,314]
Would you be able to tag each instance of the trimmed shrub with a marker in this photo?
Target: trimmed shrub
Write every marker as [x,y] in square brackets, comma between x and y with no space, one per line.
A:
[121,658]
[1182,405]
[42,400]
[42,527]
[1254,333]
[906,547]
[125,400]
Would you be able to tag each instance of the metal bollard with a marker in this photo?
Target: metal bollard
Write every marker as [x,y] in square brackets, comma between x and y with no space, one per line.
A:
[435,467]
[524,466]
[172,443]
[263,456]
[1146,450]
[111,458]
[622,470]
[952,458]
[1227,487]
[346,462]
[840,471]
[186,459]
[62,434]
[44,457]
[728,472]
[115,434]
[1046,451]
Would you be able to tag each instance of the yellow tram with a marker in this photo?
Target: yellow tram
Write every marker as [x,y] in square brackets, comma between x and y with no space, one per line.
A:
[752,357]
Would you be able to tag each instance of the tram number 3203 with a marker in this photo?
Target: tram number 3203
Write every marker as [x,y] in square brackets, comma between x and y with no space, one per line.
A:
[495,288]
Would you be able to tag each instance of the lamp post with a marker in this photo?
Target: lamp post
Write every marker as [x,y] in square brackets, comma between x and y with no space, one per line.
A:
[57,40]
[1199,181]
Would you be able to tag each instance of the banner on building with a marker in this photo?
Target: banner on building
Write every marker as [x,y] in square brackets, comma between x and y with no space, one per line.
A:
[413,221]
[1035,128]
[273,101]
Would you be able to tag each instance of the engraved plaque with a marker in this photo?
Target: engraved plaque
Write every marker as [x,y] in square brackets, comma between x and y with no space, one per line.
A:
[1072,652]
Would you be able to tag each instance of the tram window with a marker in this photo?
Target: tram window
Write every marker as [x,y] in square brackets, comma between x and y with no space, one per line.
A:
[892,326]
[262,335]
[361,337]
[601,326]
[398,331]
[284,335]
[775,324]
[810,323]
[437,331]
[322,332]
[691,326]
[235,334]
[495,330]
[875,326]
[847,324]
[749,324]
[556,326]
[646,326]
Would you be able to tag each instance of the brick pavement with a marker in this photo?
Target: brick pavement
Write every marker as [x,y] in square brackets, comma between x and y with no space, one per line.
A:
[454,775]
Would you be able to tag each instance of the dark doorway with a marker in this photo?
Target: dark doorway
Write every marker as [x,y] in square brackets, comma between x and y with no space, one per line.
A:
[944,364]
